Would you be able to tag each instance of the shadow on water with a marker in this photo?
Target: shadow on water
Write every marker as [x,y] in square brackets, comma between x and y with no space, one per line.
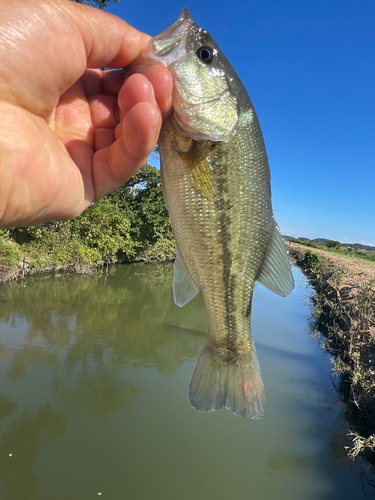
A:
[94,375]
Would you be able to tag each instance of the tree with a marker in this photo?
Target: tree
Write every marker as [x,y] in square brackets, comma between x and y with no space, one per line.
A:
[100,4]
[141,199]
[334,244]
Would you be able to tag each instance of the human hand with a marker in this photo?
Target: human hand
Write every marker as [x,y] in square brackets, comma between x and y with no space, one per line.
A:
[70,133]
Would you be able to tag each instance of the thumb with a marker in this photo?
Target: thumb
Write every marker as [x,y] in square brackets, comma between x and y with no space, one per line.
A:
[50,43]
[108,40]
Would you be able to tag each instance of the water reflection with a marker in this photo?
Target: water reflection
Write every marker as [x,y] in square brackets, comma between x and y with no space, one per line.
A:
[94,375]
[283,460]
[72,320]
[19,446]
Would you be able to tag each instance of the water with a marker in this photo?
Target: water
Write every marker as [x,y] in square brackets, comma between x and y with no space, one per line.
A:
[94,376]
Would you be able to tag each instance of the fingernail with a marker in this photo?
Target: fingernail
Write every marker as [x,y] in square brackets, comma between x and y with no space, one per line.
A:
[155,118]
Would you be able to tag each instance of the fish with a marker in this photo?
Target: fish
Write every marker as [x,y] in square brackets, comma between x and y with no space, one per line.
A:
[216,185]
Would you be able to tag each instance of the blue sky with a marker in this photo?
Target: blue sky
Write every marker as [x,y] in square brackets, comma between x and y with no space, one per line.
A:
[309,67]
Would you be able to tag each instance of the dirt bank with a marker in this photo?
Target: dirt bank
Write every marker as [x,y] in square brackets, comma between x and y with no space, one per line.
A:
[344,305]
[8,274]
[358,271]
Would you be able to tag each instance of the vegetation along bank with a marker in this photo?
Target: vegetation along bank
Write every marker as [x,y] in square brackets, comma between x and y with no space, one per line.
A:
[344,307]
[129,224]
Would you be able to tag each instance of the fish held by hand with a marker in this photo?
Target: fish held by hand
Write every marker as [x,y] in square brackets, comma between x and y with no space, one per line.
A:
[216,185]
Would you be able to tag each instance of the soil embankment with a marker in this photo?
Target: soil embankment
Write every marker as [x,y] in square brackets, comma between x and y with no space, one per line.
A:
[23,269]
[344,305]
[358,271]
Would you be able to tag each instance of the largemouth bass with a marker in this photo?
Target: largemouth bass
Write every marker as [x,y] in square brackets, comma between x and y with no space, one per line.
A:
[216,185]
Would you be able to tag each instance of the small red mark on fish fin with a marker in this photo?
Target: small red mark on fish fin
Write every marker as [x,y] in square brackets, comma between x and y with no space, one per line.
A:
[244,388]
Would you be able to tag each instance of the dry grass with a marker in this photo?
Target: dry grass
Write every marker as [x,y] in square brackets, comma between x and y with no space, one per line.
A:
[344,303]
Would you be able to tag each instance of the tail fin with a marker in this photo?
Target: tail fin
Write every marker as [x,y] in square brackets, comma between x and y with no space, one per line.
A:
[237,385]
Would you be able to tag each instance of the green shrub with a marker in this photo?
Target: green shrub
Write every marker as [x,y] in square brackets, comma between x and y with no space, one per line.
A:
[131,222]
[313,262]
[10,254]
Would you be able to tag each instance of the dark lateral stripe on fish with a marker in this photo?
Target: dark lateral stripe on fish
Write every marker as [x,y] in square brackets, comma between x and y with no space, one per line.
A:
[223,207]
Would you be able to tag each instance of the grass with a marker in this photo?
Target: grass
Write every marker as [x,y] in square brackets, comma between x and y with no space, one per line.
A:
[345,313]
[360,445]
[10,254]
[337,249]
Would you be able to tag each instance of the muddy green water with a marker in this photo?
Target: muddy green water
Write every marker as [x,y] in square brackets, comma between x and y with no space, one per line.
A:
[94,376]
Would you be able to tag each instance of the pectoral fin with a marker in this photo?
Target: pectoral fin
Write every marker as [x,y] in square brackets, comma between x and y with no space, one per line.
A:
[183,286]
[276,274]
[200,173]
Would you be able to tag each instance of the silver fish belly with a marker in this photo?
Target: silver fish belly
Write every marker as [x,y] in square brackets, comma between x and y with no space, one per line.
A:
[216,185]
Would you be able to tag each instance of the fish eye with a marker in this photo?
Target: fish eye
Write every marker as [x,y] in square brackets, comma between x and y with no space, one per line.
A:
[206,54]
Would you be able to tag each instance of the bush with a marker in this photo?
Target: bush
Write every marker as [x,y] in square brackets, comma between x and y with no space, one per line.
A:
[131,222]
[313,262]
[334,245]
[10,254]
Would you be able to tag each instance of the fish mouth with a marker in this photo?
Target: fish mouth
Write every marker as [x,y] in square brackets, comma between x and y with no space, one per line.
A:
[169,46]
